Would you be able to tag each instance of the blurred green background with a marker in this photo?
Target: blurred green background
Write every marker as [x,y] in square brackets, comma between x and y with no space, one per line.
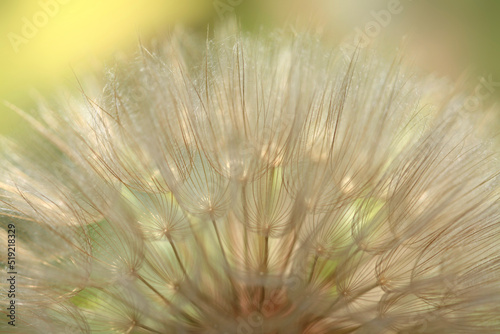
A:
[44,42]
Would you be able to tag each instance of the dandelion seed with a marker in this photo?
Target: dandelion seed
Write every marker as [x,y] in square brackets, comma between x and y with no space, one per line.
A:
[255,185]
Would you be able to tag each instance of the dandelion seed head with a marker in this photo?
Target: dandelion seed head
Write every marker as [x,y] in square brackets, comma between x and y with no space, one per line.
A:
[255,184]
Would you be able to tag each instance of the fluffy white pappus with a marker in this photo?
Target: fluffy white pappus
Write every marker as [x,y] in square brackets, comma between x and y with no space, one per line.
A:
[255,184]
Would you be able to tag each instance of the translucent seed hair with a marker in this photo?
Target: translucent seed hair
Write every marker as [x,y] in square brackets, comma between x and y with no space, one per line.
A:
[254,184]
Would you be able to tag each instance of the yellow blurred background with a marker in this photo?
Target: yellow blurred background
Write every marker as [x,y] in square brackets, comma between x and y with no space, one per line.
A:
[44,41]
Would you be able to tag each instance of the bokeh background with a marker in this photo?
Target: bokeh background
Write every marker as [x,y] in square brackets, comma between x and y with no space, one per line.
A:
[47,44]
